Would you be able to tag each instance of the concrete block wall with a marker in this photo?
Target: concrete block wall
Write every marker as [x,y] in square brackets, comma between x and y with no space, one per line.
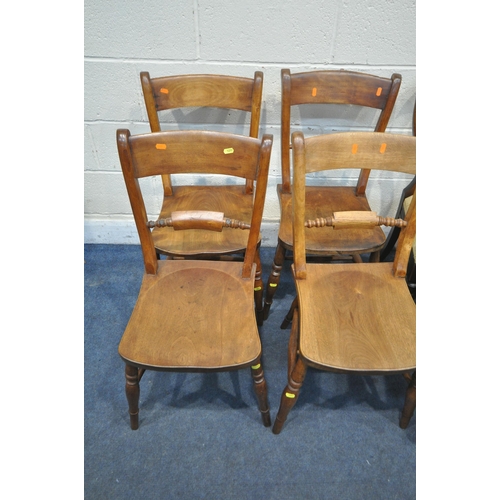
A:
[123,38]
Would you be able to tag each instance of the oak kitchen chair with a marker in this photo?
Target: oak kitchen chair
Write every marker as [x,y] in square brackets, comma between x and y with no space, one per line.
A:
[355,318]
[194,315]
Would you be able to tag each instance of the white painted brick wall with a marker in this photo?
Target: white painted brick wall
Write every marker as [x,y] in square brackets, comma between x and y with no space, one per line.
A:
[123,38]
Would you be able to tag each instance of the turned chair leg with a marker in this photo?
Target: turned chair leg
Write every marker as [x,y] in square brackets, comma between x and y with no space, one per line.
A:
[260,388]
[410,402]
[296,374]
[132,391]
[258,292]
[290,394]
[274,277]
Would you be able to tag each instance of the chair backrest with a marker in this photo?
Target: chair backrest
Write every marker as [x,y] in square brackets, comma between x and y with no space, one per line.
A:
[334,87]
[172,152]
[379,151]
[214,91]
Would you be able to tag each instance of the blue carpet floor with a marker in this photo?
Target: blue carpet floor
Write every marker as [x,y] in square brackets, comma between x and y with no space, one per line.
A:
[201,435]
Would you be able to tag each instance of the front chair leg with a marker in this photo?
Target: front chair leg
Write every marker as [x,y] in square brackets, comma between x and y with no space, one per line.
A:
[274,277]
[132,391]
[290,394]
[260,387]
[410,402]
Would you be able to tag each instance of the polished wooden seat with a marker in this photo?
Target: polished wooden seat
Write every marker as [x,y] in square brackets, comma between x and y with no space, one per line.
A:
[236,95]
[194,315]
[356,318]
[328,88]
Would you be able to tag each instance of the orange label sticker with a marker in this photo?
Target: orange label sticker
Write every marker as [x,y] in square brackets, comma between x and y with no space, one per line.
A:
[228,151]
[161,146]
[314,92]
[354,149]
[164,91]
[382,147]
[379,91]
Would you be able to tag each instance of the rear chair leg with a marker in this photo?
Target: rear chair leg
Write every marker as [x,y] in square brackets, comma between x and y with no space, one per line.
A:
[132,391]
[260,388]
[410,402]
[289,316]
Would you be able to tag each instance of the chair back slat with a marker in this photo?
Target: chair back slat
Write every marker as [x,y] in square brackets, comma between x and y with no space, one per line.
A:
[218,91]
[380,151]
[340,87]
[195,152]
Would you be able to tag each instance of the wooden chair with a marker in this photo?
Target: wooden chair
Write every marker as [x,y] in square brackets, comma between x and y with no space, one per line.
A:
[235,201]
[325,88]
[194,315]
[356,318]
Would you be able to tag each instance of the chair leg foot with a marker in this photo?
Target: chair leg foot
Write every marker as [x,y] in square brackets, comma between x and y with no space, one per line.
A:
[410,402]
[259,317]
[132,392]
[266,418]
[260,388]
[290,394]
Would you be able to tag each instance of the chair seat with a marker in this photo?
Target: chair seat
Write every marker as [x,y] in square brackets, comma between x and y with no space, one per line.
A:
[230,200]
[344,311]
[193,315]
[321,202]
